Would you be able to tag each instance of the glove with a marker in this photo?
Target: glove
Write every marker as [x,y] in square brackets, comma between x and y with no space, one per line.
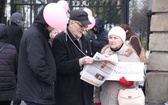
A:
[98,103]
[124,82]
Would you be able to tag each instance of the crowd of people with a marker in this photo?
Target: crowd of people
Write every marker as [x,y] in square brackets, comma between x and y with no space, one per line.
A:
[42,66]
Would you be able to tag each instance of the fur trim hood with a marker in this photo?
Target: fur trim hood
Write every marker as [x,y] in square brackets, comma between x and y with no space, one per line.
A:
[126,49]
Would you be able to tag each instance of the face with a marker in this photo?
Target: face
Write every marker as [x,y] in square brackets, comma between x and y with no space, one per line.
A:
[115,41]
[77,28]
[53,33]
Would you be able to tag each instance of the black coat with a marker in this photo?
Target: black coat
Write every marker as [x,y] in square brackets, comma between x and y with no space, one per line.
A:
[99,38]
[15,33]
[8,72]
[36,68]
[98,41]
[8,67]
[70,89]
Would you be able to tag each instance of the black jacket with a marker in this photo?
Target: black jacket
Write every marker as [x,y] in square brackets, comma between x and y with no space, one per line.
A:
[8,62]
[8,67]
[99,38]
[36,68]
[70,89]
[15,33]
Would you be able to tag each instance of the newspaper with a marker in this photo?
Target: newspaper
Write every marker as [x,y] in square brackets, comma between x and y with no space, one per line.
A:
[97,72]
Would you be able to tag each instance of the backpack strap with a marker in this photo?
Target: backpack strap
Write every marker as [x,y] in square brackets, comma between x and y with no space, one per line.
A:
[3,47]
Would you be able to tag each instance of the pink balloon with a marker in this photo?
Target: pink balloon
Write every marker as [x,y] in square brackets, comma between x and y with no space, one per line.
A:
[59,30]
[64,4]
[55,16]
[93,21]
[89,12]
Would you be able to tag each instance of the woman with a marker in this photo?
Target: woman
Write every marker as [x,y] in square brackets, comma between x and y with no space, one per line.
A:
[53,33]
[109,90]
[8,68]
[132,38]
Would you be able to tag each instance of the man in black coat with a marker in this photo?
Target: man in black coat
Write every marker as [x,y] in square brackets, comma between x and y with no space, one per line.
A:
[100,36]
[15,30]
[71,51]
[36,66]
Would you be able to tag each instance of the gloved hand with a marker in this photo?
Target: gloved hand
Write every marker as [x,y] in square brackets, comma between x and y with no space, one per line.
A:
[98,103]
[124,82]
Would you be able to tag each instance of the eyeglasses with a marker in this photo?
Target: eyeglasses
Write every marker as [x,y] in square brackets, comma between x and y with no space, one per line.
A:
[82,26]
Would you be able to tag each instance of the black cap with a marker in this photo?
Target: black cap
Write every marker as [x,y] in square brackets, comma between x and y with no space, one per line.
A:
[81,16]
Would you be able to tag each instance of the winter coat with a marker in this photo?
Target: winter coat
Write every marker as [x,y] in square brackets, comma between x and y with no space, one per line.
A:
[99,38]
[15,33]
[70,89]
[8,67]
[36,68]
[109,89]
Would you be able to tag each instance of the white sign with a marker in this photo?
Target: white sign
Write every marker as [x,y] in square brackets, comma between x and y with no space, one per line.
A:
[132,71]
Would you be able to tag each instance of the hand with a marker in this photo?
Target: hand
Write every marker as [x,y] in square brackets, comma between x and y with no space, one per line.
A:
[124,82]
[86,60]
[98,103]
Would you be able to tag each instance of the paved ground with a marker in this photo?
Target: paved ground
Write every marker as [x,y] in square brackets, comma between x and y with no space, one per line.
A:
[155,103]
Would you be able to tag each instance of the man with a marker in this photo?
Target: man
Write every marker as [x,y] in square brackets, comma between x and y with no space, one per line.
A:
[15,30]
[100,36]
[36,68]
[72,51]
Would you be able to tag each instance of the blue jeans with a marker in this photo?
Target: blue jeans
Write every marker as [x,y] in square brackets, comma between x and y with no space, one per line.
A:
[32,103]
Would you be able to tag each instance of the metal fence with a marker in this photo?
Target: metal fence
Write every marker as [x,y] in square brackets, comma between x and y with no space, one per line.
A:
[112,12]
[116,12]
[107,10]
[138,19]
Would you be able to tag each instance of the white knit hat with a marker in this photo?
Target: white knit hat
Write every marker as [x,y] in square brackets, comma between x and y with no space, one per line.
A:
[119,32]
